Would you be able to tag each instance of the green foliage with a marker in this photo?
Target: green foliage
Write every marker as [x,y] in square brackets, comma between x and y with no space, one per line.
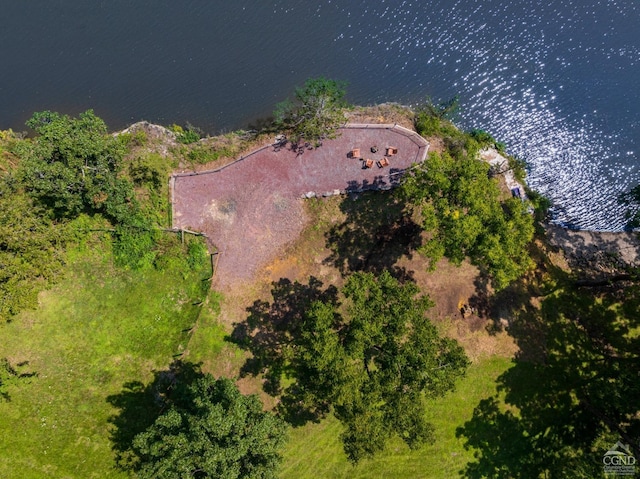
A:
[316,112]
[197,253]
[73,165]
[210,430]
[435,119]
[631,200]
[315,450]
[203,154]
[460,206]
[372,361]
[186,135]
[99,329]
[31,248]
[443,110]
[541,205]
[482,137]
[572,392]
[134,247]
[517,166]
[150,170]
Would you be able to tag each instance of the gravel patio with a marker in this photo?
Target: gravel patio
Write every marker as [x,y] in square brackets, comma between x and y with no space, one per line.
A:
[251,208]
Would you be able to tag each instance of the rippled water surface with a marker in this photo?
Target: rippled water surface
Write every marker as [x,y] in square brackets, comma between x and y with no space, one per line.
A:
[557,81]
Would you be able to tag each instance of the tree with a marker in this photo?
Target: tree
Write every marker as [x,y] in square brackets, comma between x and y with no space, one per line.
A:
[572,392]
[30,249]
[372,359]
[210,430]
[316,112]
[460,206]
[72,167]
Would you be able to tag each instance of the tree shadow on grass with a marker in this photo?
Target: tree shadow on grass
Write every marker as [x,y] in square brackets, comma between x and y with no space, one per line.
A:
[11,375]
[376,233]
[139,405]
[571,393]
[269,327]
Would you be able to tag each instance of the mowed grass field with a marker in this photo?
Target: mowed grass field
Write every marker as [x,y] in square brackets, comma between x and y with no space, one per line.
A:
[97,330]
[315,450]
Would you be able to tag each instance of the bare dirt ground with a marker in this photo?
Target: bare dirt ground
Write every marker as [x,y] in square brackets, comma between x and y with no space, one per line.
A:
[254,213]
[253,207]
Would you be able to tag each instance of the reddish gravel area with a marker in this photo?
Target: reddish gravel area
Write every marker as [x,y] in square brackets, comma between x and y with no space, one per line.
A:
[252,208]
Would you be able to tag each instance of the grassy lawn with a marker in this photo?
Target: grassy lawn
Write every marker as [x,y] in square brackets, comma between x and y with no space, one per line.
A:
[315,449]
[93,333]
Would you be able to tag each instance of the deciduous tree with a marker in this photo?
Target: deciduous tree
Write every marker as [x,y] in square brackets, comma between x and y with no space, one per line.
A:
[210,430]
[72,166]
[572,392]
[30,249]
[372,359]
[460,206]
[316,112]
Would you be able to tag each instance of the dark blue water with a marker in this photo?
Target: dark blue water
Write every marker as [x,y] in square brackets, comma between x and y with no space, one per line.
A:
[556,80]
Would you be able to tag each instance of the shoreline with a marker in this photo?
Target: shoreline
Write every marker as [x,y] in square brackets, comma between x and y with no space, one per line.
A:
[376,112]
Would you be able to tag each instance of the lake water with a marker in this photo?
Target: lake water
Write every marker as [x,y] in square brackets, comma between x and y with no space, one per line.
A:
[557,81]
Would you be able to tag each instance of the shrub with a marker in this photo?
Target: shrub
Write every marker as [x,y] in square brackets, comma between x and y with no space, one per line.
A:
[197,254]
[134,247]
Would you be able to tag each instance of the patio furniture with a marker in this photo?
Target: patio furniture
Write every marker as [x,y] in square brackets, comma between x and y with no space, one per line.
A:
[355,153]
[383,162]
[368,163]
[391,150]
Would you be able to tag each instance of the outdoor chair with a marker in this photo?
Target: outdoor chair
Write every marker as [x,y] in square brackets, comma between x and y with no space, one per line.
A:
[391,150]
[383,162]
[368,163]
[355,153]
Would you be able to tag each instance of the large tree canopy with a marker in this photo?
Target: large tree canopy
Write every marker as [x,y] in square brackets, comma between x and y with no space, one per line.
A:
[316,112]
[72,166]
[372,359]
[460,205]
[211,430]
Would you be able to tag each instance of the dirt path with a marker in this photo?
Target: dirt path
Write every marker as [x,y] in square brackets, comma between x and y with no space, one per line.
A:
[252,208]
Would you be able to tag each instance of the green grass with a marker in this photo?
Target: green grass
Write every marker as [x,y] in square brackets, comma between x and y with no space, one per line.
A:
[315,450]
[95,331]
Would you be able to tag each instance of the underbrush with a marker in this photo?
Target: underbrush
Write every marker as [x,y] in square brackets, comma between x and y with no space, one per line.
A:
[99,331]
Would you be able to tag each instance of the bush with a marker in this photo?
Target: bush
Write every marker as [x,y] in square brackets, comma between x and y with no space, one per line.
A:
[188,134]
[197,254]
[133,247]
[484,139]
[151,170]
